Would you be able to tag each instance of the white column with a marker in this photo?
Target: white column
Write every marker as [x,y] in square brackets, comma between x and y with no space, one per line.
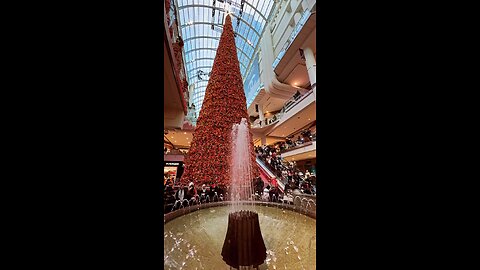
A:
[297,17]
[311,68]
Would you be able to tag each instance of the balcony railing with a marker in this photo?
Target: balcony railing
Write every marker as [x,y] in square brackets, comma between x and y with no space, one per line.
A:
[298,146]
[292,37]
[291,103]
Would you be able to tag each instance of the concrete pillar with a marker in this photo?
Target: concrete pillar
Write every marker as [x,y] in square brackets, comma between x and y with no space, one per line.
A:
[311,68]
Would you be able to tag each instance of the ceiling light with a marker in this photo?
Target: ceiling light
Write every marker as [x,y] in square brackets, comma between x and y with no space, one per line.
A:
[184,132]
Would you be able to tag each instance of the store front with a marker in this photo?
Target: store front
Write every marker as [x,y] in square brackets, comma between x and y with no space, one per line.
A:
[172,171]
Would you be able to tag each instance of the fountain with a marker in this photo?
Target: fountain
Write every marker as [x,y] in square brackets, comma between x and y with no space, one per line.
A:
[241,233]
[243,246]
[237,231]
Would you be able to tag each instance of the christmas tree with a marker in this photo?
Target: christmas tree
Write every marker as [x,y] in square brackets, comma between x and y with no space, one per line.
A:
[208,160]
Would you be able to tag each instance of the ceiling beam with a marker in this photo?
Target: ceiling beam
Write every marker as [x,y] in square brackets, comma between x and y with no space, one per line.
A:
[221,9]
[217,38]
[209,58]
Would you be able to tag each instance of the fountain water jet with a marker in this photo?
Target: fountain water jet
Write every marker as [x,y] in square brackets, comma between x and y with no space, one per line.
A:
[241,167]
[243,247]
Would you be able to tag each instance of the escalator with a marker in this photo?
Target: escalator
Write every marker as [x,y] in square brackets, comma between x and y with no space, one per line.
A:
[268,176]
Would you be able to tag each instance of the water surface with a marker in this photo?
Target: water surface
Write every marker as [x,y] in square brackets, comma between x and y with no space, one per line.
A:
[195,240]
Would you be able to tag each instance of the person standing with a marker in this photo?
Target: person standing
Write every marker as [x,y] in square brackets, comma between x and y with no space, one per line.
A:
[169,197]
[266,194]
[259,186]
[287,187]
[180,196]
[203,194]
[190,192]
[273,193]
[296,95]
[212,193]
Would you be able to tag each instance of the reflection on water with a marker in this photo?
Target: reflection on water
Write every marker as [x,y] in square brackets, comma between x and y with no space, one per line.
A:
[195,241]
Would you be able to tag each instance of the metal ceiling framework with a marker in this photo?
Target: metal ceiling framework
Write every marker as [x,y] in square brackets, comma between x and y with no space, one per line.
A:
[218,38]
[220,9]
[201,24]
[215,49]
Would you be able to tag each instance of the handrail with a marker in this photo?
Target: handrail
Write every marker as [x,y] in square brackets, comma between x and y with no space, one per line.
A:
[298,100]
[305,144]
[265,168]
[277,175]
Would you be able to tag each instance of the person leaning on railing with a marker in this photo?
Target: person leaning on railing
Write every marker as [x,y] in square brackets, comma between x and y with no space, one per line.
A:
[297,95]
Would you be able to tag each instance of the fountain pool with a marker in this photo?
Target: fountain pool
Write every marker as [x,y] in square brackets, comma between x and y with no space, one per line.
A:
[194,240]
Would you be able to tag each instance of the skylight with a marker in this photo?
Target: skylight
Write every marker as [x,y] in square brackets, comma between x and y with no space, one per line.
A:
[201,24]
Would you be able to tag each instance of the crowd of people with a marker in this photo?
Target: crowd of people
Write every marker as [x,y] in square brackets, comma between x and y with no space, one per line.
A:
[176,197]
[287,171]
[290,142]
[179,196]
[271,193]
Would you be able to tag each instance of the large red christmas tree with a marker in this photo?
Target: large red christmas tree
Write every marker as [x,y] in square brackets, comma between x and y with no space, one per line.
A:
[208,160]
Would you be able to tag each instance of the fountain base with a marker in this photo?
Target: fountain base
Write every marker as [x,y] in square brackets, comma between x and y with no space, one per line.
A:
[243,246]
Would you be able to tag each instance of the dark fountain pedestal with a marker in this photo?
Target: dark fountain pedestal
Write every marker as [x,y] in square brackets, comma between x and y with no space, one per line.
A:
[244,247]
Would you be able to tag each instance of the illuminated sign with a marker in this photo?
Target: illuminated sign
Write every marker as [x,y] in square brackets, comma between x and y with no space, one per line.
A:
[172,163]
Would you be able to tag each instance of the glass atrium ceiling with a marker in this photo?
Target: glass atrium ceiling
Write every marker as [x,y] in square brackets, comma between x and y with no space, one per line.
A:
[201,24]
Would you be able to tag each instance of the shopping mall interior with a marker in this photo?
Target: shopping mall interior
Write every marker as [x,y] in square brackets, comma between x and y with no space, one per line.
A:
[275,45]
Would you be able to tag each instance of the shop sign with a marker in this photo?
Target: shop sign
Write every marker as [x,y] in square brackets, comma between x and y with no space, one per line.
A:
[172,163]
